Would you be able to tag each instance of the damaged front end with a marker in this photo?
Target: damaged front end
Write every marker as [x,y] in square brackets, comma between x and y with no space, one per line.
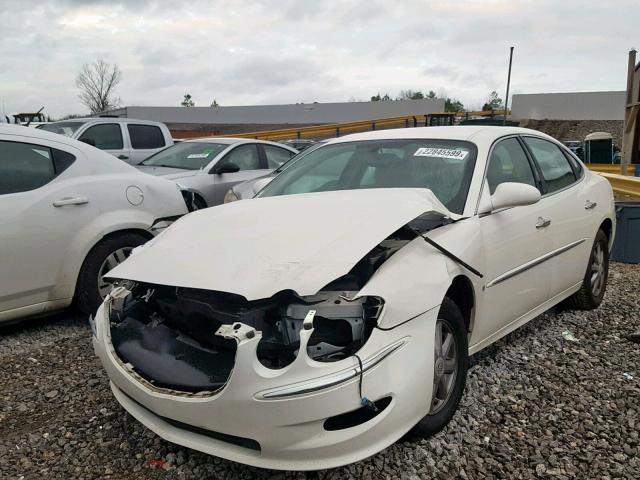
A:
[185,339]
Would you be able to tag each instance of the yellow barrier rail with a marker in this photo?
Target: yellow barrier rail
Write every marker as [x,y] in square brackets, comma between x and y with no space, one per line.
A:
[622,184]
[610,168]
[339,129]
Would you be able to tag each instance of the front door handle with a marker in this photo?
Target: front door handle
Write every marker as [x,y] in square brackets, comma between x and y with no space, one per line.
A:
[588,205]
[70,201]
[123,157]
[542,222]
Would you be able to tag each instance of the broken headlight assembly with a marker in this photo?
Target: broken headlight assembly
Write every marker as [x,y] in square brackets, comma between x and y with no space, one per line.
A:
[178,338]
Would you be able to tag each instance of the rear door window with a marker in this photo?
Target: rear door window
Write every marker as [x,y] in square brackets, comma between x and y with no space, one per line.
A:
[276,156]
[145,136]
[556,170]
[107,136]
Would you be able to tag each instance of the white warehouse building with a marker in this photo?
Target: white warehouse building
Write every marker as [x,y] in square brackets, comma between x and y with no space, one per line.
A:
[569,106]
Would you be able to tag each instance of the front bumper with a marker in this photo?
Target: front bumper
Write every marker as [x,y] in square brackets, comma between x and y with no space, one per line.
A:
[241,422]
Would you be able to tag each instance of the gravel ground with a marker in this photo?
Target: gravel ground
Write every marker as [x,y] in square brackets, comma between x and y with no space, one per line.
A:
[537,405]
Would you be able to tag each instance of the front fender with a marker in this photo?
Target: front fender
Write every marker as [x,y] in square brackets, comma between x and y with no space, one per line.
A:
[416,278]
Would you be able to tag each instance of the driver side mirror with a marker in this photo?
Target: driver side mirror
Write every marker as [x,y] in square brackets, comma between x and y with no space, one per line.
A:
[226,167]
[510,194]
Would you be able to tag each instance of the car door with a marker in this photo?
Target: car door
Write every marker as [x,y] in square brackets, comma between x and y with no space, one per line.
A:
[108,137]
[517,277]
[566,200]
[145,140]
[247,157]
[42,210]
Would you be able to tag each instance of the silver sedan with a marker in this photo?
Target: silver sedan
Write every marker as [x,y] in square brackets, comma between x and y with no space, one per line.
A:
[209,167]
[250,188]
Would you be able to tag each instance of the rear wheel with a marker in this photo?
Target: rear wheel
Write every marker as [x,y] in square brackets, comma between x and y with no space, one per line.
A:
[594,282]
[92,285]
[449,369]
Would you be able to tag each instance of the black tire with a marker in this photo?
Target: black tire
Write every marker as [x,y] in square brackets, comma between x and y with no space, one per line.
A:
[199,203]
[588,297]
[87,296]
[432,423]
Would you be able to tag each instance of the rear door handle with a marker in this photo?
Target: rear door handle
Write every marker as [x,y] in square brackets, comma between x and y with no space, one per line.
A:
[123,157]
[588,205]
[542,222]
[70,201]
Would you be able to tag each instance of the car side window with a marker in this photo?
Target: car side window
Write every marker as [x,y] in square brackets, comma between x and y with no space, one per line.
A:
[244,156]
[106,136]
[24,167]
[556,170]
[509,163]
[145,136]
[276,156]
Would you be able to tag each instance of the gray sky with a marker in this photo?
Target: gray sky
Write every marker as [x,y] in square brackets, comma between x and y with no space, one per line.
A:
[285,51]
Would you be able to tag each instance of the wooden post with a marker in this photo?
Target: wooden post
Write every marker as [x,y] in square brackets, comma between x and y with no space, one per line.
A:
[630,114]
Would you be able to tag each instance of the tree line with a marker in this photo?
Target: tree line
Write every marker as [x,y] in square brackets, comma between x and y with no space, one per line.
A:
[98,81]
[493,101]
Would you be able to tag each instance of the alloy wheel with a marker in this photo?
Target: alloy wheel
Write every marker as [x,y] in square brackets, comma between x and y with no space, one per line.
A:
[113,260]
[445,365]
[597,269]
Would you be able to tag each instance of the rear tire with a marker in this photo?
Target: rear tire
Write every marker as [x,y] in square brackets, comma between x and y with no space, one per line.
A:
[445,400]
[594,283]
[99,260]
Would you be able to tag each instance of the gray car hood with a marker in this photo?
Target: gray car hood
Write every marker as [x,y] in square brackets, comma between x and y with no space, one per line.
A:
[167,172]
[258,247]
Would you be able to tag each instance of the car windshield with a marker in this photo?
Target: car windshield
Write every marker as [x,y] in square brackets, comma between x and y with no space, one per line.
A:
[186,155]
[63,128]
[443,166]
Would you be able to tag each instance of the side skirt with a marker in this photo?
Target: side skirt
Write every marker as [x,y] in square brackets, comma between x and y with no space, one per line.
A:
[9,316]
[518,322]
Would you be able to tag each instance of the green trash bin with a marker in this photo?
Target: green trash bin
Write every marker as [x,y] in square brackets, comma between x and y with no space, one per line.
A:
[626,246]
[598,148]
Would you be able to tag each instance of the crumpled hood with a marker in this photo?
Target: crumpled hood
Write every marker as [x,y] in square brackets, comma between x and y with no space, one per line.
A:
[167,172]
[258,247]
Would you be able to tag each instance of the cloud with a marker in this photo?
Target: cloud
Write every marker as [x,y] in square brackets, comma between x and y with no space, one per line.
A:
[288,51]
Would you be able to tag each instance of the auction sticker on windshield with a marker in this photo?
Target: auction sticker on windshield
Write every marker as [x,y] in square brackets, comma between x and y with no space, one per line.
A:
[441,153]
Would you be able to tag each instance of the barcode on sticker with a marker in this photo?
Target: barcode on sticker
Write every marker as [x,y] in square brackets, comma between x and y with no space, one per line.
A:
[441,153]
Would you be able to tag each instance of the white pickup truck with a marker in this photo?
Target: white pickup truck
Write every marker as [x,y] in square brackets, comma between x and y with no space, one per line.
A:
[125,138]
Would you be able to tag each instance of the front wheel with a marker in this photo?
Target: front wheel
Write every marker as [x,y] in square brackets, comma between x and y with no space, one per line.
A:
[92,285]
[449,369]
[595,278]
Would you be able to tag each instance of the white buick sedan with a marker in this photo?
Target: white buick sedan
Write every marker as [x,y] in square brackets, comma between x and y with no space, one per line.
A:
[317,324]
[68,214]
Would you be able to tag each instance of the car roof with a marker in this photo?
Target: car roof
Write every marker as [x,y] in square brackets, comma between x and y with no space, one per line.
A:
[472,133]
[106,120]
[234,140]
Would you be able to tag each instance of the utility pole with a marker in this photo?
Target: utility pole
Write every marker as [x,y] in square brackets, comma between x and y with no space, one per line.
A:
[630,115]
[506,99]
